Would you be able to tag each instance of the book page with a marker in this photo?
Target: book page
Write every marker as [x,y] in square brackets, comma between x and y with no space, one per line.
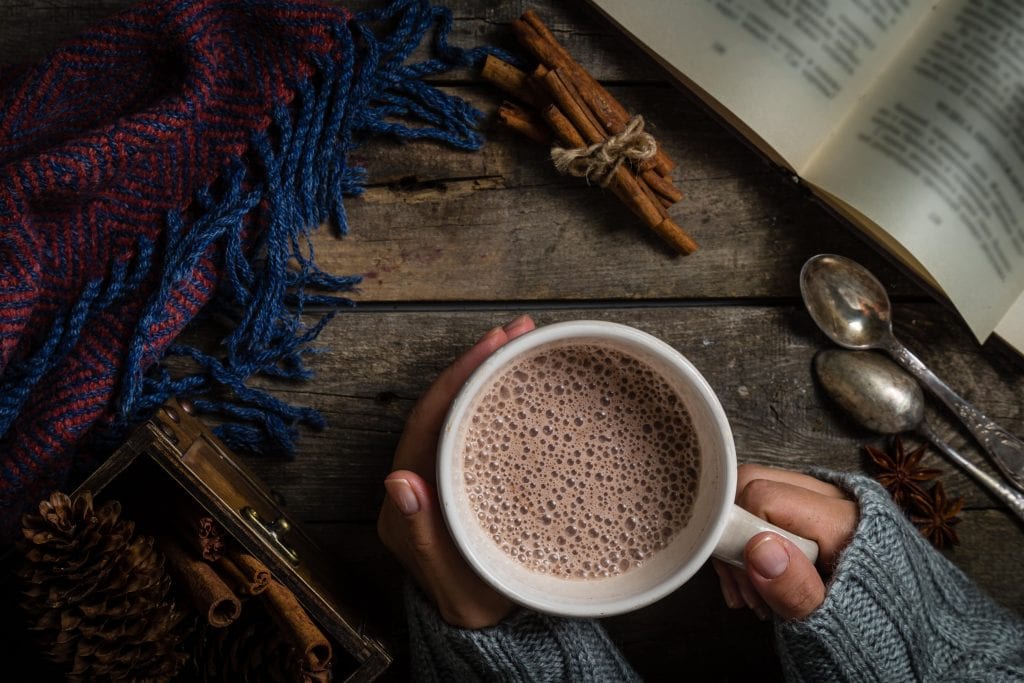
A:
[790,70]
[935,156]
[1011,327]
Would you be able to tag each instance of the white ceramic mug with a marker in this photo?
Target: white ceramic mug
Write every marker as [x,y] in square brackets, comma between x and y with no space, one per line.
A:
[717,526]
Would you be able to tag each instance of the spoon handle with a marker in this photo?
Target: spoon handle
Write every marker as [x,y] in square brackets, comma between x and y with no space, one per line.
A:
[1013,498]
[1005,449]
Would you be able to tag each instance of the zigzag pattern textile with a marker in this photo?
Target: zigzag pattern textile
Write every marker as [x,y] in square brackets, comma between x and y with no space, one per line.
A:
[172,161]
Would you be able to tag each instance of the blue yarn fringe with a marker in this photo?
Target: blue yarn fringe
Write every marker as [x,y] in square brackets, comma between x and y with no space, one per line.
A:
[301,176]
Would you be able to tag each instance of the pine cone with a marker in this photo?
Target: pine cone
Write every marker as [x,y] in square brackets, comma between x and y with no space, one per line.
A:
[97,594]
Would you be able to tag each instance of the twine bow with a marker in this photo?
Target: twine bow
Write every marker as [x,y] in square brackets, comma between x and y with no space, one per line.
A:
[602,159]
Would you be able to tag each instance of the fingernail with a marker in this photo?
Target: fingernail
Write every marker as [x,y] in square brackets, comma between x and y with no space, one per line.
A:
[732,599]
[762,613]
[402,496]
[490,333]
[516,323]
[769,558]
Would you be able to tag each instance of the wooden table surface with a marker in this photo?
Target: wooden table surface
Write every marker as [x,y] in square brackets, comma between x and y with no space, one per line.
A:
[452,243]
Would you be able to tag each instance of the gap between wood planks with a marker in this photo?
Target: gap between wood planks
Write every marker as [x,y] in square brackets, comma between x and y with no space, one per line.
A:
[583,304]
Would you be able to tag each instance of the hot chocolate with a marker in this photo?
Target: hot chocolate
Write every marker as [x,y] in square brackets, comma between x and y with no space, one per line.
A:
[580,461]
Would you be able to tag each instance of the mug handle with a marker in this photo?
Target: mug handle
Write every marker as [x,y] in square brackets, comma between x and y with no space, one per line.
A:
[741,526]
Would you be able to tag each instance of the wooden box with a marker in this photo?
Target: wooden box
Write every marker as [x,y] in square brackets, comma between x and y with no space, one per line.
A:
[174,453]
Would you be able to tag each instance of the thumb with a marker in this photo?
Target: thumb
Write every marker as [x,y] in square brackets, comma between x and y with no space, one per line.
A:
[415,499]
[462,597]
[783,576]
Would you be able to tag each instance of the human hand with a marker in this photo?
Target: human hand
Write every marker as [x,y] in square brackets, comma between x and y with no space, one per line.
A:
[410,522]
[778,577]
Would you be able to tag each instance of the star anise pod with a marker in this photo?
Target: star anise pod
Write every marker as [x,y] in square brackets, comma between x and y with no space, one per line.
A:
[936,515]
[900,472]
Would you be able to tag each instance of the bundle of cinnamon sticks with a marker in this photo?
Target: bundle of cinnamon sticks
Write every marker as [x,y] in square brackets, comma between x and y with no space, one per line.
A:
[559,101]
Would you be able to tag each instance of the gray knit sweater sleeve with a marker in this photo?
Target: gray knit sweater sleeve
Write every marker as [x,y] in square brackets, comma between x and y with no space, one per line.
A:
[526,646]
[897,610]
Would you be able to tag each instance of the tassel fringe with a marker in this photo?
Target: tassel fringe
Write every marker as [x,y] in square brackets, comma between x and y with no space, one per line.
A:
[297,182]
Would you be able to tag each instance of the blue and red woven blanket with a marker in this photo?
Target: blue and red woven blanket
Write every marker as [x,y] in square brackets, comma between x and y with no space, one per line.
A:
[171,159]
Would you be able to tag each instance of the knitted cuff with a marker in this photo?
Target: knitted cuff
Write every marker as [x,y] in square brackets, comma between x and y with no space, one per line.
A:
[896,609]
[526,646]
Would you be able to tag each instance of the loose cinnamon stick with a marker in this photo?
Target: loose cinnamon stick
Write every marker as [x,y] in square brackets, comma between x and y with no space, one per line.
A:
[524,122]
[210,595]
[244,572]
[313,647]
[538,39]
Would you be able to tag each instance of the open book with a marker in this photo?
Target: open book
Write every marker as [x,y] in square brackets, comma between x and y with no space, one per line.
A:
[906,117]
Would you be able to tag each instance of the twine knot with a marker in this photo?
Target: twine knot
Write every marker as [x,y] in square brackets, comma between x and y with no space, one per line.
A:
[602,159]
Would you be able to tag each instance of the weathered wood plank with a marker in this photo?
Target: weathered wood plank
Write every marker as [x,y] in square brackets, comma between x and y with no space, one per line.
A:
[441,226]
[30,29]
[758,359]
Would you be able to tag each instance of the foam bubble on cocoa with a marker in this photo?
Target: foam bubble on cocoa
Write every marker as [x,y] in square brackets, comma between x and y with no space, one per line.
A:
[580,461]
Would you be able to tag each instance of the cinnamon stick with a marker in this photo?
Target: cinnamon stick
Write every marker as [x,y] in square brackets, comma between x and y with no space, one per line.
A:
[511,80]
[567,98]
[653,199]
[670,231]
[662,187]
[541,43]
[209,594]
[613,117]
[563,128]
[313,647]
[524,122]
[244,572]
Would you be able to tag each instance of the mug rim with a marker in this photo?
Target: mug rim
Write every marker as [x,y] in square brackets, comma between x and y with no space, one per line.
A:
[567,330]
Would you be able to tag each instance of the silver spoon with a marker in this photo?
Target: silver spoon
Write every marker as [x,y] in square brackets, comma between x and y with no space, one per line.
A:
[852,308]
[885,399]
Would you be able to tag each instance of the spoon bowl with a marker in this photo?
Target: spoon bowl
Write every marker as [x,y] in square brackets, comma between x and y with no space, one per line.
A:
[847,302]
[879,395]
[872,389]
